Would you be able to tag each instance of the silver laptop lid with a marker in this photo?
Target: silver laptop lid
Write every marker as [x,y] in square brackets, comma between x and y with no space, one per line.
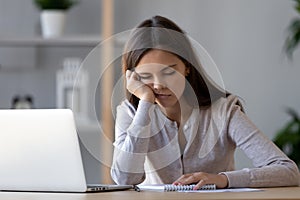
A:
[39,151]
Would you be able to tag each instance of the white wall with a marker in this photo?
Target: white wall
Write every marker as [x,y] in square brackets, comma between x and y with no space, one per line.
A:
[244,37]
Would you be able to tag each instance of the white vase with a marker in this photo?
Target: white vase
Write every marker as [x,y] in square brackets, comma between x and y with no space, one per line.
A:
[53,23]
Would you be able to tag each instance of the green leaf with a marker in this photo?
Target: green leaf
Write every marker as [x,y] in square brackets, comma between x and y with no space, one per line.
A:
[293,38]
[55,4]
[297,6]
[289,136]
[293,114]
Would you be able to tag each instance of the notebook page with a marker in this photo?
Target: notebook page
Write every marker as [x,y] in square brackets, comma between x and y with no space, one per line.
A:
[227,190]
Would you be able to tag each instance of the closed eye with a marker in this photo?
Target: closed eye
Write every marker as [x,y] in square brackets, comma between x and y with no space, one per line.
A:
[169,70]
[145,76]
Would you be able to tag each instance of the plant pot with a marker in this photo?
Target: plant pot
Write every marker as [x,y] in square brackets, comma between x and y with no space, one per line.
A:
[53,23]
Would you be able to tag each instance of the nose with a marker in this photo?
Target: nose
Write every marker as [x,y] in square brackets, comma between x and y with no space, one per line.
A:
[158,83]
[157,86]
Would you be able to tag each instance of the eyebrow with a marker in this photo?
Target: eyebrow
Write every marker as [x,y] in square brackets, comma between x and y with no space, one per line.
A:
[173,65]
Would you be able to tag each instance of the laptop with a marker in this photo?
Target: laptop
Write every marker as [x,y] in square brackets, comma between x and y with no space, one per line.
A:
[39,151]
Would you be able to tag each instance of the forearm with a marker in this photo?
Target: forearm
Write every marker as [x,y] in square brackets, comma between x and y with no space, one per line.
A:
[128,168]
[131,146]
[129,159]
[269,176]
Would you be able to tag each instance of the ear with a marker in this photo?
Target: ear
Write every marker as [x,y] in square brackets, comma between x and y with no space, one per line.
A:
[187,71]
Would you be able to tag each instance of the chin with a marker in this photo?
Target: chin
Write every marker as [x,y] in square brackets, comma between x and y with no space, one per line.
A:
[166,104]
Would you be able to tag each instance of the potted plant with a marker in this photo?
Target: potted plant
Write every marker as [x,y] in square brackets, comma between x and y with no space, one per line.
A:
[53,15]
[288,138]
[293,37]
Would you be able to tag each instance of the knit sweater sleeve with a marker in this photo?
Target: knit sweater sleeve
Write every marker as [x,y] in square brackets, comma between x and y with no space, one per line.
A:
[132,132]
[272,167]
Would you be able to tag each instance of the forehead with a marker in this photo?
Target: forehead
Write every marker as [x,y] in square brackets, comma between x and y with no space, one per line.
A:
[159,57]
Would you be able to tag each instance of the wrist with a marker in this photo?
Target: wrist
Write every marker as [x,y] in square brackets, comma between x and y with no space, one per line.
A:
[224,181]
[148,98]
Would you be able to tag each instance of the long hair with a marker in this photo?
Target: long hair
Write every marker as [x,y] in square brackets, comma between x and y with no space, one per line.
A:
[161,33]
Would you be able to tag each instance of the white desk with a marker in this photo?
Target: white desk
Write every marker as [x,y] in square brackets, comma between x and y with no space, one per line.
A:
[267,193]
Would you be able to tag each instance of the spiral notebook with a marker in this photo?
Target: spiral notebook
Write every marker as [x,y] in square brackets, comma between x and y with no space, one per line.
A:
[171,188]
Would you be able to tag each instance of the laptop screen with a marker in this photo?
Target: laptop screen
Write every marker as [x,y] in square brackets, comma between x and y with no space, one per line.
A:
[39,151]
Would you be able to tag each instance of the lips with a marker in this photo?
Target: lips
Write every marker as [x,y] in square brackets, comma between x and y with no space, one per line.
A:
[162,96]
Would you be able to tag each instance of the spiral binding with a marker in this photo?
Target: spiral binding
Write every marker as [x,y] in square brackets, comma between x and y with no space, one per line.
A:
[170,187]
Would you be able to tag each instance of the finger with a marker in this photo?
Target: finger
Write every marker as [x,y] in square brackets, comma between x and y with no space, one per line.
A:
[128,74]
[199,184]
[177,183]
[186,179]
[136,76]
[132,74]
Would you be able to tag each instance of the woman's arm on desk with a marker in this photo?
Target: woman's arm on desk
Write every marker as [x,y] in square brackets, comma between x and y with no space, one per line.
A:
[272,166]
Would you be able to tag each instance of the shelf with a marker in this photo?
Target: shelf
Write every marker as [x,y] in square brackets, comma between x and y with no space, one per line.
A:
[80,40]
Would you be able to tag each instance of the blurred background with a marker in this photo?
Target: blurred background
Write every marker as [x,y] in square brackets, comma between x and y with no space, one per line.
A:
[245,38]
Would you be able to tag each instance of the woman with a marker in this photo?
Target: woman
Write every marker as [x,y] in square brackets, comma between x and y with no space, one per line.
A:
[176,126]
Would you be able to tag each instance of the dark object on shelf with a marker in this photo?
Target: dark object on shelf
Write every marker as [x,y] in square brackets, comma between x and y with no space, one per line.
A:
[22,102]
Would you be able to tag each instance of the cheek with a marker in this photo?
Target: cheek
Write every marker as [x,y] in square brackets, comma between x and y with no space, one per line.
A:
[176,85]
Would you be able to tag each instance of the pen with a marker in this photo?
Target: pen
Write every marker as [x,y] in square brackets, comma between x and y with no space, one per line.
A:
[136,188]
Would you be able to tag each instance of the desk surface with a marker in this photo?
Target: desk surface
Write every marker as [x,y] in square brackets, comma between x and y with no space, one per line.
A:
[267,193]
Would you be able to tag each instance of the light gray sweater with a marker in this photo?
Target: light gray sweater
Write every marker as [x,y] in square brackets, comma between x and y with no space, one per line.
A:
[147,148]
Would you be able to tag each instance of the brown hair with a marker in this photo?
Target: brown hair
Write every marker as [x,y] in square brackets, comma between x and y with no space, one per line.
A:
[161,33]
